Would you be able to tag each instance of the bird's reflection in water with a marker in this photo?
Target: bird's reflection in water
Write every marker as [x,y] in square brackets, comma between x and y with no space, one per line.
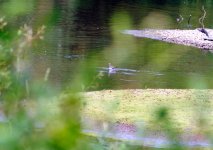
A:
[111,69]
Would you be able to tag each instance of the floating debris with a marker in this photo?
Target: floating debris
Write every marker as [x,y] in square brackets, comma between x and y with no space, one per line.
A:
[74,57]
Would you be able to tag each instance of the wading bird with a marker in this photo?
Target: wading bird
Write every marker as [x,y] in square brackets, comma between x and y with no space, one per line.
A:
[179,20]
[111,69]
[110,66]
[202,29]
[189,25]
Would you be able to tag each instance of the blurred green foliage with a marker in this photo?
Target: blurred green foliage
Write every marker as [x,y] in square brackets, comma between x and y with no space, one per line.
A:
[29,119]
[15,8]
[33,115]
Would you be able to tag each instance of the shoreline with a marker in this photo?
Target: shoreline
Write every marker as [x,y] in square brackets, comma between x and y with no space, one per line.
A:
[193,38]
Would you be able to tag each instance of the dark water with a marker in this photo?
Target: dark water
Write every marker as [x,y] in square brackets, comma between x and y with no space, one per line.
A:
[89,34]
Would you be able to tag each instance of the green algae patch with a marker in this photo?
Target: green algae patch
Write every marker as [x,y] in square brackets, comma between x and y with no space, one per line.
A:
[186,109]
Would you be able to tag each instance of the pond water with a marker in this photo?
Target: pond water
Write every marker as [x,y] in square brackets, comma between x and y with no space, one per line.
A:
[89,34]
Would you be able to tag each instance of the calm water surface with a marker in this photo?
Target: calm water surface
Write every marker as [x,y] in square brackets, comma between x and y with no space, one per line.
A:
[91,37]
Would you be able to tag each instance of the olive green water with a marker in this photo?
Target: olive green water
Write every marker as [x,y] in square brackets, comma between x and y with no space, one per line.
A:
[88,33]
